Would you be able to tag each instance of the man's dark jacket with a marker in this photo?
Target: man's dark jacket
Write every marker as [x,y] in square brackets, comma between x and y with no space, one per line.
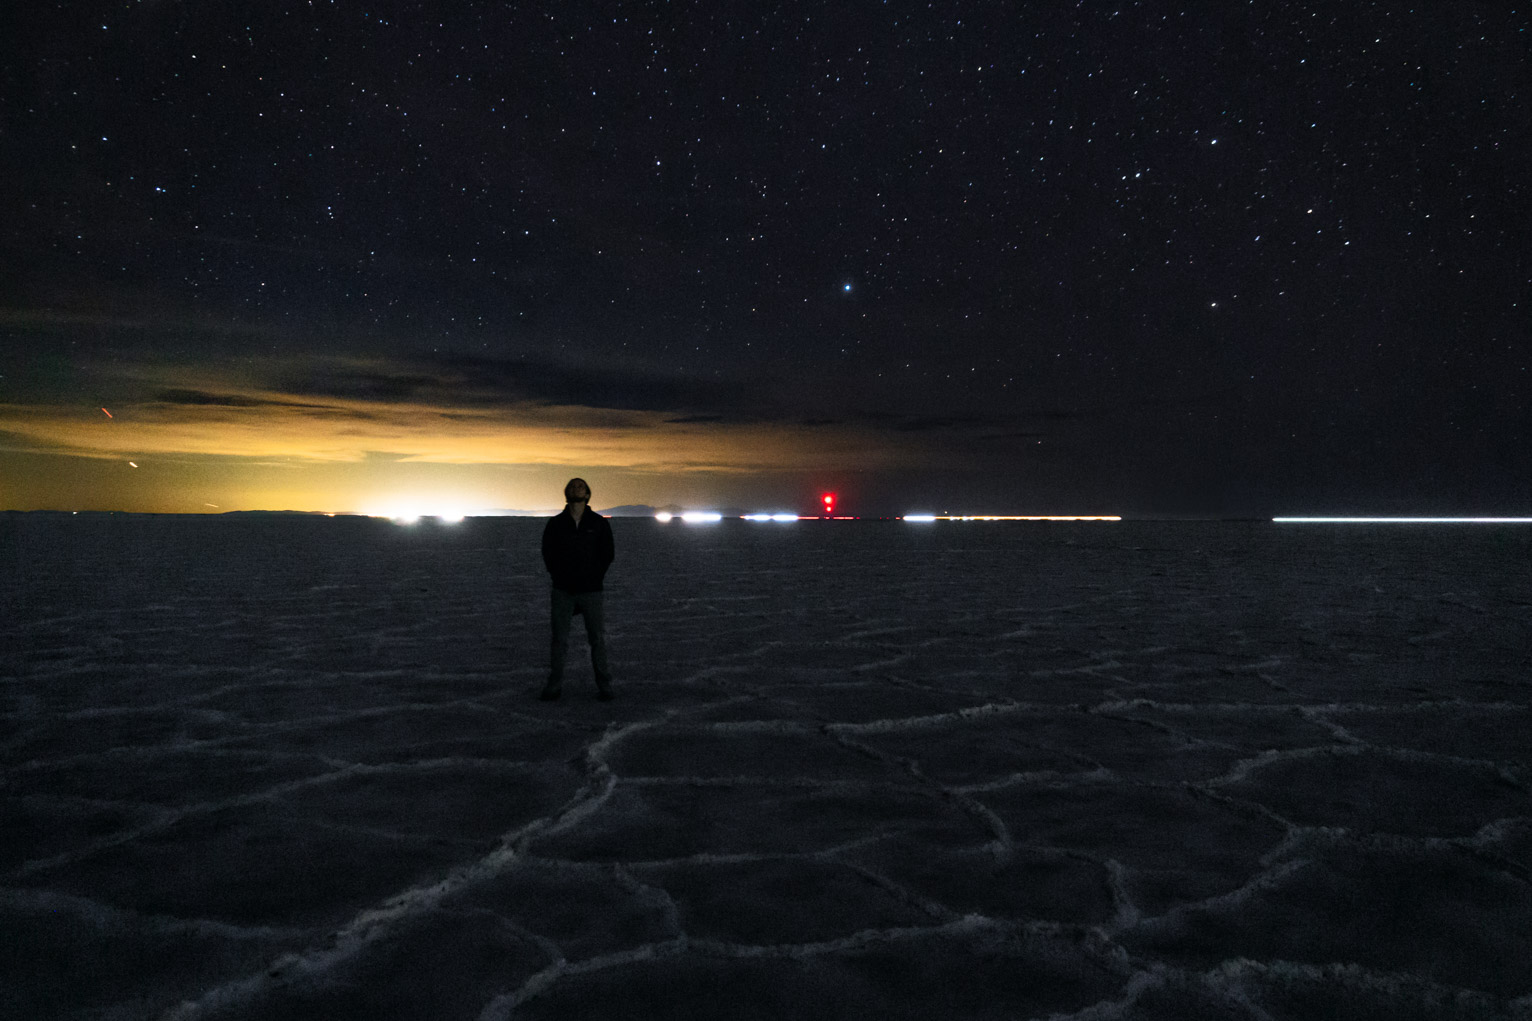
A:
[577,555]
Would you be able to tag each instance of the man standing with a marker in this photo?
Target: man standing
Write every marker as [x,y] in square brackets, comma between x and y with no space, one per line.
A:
[577,550]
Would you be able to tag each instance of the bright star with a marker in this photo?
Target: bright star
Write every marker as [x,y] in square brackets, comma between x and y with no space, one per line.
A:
[846,288]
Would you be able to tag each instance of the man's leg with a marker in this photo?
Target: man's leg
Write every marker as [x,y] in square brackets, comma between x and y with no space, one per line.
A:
[595,630]
[561,609]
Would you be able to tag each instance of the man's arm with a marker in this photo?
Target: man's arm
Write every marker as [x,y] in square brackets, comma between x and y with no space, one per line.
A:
[608,549]
[548,553]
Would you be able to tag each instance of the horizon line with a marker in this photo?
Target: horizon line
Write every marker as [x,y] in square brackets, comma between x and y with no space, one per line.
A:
[1401,521]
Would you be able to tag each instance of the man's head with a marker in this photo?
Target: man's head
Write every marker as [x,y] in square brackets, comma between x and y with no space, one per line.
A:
[576,491]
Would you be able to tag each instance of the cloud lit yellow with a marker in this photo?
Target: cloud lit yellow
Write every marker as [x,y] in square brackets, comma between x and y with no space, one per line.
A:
[205,439]
[351,431]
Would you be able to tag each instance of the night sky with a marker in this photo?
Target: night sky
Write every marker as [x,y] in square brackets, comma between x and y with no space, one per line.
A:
[1075,258]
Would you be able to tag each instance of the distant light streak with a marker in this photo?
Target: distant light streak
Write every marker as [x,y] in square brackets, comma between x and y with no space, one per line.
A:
[1403,521]
[663,516]
[1011,517]
[768,517]
[108,414]
[132,465]
[1037,517]
[701,517]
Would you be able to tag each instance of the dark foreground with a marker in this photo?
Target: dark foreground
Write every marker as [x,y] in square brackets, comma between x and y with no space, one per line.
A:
[295,768]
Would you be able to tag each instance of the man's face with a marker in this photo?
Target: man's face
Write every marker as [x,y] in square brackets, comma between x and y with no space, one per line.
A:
[577,492]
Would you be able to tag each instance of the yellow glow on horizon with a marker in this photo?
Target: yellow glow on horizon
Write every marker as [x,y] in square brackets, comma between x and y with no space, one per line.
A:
[180,438]
[256,447]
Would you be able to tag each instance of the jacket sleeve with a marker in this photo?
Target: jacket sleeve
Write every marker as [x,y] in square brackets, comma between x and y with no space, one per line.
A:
[608,548]
[548,552]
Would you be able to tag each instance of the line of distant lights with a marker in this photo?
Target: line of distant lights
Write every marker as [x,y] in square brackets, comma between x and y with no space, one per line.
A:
[406,516]
[1010,517]
[1403,521]
[411,517]
[707,517]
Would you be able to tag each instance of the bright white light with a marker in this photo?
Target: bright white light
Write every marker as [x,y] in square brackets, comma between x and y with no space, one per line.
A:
[407,515]
[784,517]
[663,516]
[770,517]
[920,517]
[755,517]
[1403,521]
[701,517]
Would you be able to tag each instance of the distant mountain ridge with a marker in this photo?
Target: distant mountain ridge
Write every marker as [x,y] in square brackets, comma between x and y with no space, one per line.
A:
[630,510]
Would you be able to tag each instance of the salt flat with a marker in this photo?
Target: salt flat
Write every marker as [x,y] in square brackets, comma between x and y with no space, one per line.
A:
[294,768]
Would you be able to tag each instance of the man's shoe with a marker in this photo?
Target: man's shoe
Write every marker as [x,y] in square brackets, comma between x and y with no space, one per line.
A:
[549,695]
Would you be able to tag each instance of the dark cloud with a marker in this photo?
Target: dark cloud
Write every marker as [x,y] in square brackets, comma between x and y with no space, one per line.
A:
[364,385]
[472,382]
[934,423]
[622,389]
[202,398]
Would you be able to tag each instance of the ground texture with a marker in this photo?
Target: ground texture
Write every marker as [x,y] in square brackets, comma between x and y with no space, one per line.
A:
[258,768]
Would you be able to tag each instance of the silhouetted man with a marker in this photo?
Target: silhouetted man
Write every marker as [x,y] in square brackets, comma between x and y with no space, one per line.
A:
[577,550]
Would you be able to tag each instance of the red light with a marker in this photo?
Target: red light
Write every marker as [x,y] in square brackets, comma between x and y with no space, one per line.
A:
[829,502]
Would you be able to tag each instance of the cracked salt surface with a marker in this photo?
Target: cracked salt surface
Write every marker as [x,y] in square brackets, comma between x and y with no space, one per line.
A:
[294,768]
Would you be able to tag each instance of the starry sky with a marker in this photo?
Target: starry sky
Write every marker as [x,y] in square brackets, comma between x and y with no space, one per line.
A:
[1094,258]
